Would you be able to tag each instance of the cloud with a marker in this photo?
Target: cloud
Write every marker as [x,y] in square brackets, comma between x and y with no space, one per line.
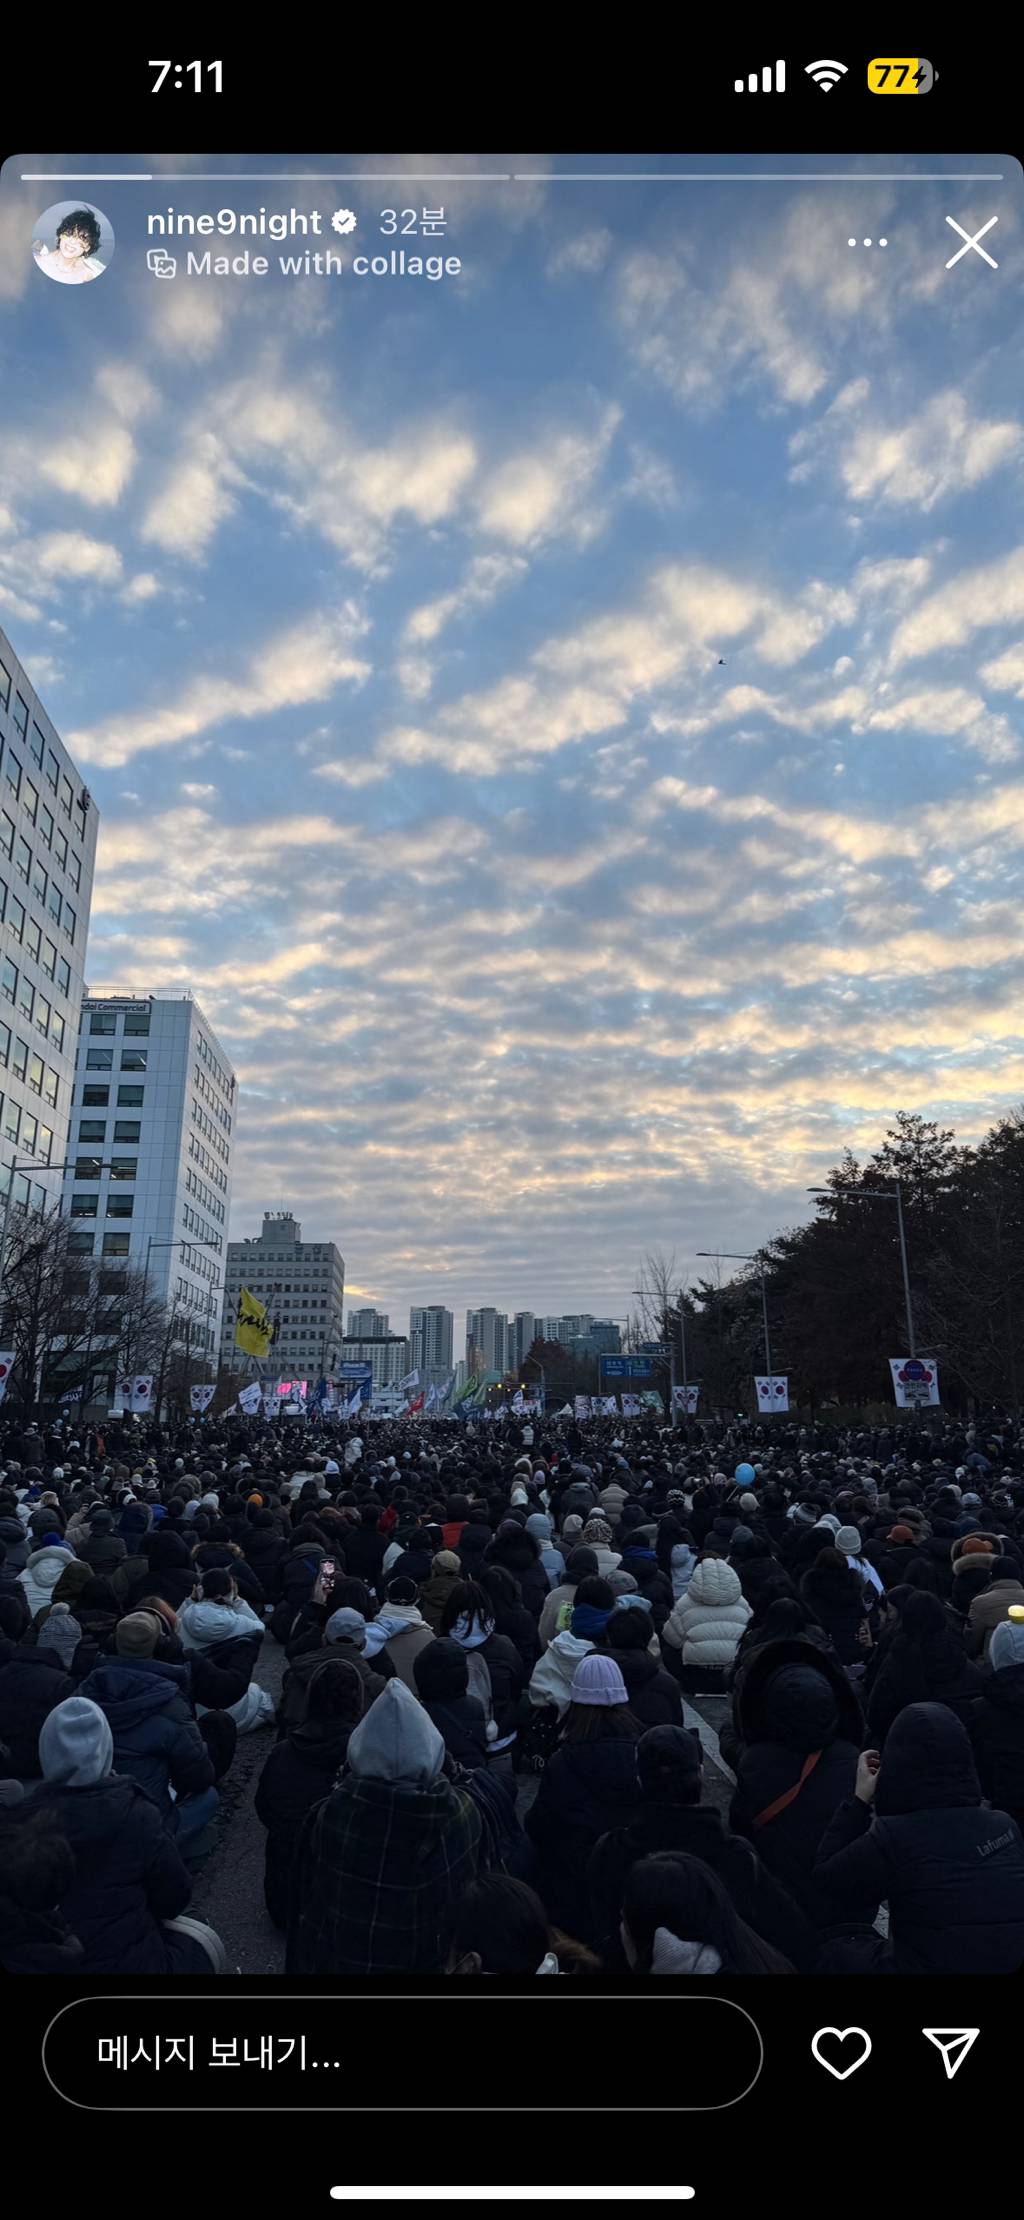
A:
[73,555]
[483,580]
[544,489]
[195,498]
[989,594]
[307,663]
[584,254]
[942,449]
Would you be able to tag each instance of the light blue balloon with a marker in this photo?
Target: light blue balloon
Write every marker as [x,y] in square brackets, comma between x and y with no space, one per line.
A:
[745,1476]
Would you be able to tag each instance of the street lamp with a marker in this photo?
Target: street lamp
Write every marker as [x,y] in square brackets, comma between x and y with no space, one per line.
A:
[743,1256]
[882,1194]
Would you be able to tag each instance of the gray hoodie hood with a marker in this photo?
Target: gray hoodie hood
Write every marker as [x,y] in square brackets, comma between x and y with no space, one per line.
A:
[396,1741]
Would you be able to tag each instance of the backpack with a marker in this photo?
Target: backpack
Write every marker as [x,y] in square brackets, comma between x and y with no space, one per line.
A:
[538,1736]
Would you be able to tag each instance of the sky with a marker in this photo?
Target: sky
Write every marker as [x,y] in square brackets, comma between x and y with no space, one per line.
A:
[563,721]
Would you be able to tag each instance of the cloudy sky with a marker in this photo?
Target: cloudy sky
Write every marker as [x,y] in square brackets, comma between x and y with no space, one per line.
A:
[386,619]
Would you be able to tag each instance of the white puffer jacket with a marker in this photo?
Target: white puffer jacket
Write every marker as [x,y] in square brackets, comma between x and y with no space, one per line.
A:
[706,1625]
[41,1574]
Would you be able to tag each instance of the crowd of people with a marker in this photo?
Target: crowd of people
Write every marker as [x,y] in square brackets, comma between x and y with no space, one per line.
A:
[488,1754]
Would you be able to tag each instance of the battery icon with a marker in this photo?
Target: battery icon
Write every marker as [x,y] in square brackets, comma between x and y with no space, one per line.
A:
[900,73]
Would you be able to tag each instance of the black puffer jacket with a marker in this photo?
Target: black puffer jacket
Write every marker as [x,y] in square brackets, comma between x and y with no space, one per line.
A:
[129,1877]
[700,1832]
[156,1740]
[652,1583]
[997,1733]
[299,1773]
[836,1597]
[586,1790]
[265,1551]
[32,1683]
[952,1872]
[924,1663]
[170,1575]
[795,1705]
[654,1697]
[441,1673]
[519,1552]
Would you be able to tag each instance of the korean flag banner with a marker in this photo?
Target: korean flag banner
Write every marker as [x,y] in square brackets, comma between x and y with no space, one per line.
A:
[202,1396]
[915,1382]
[250,1399]
[583,1406]
[685,1399]
[773,1391]
[142,1392]
[630,1406]
[6,1362]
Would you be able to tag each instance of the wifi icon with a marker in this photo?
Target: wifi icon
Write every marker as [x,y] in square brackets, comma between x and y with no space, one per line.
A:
[826,74]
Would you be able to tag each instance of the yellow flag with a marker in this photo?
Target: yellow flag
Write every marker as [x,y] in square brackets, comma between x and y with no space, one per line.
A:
[254,1329]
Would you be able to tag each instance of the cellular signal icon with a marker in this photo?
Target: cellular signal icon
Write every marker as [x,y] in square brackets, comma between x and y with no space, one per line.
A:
[826,74]
[761,80]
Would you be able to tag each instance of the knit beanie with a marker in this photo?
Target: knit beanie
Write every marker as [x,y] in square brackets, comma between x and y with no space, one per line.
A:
[848,1540]
[748,1502]
[599,1531]
[446,1561]
[137,1634]
[597,1680]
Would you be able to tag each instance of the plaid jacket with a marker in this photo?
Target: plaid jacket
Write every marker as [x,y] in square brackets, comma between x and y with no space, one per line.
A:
[377,1870]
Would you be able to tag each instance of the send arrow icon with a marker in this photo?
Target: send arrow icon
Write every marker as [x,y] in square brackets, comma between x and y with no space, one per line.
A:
[954,2043]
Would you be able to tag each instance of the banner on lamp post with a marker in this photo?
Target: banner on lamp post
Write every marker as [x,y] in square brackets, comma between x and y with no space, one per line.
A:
[772,1391]
[202,1395]
[686,1399]
[915,1382]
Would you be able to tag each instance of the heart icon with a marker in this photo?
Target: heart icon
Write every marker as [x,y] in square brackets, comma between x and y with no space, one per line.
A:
[842,2035]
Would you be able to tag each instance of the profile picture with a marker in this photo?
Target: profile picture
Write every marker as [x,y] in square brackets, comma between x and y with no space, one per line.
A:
[72,242]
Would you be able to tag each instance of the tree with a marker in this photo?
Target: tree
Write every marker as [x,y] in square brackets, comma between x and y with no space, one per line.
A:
[53,1313]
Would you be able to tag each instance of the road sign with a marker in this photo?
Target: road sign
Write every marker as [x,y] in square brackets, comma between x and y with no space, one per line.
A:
[625,1368]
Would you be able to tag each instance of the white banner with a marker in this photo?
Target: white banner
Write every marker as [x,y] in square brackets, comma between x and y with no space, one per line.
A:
[6,1361]
[915,1382]
[269,1397]
[250,1399]
[353,1403]
[685,1399]
[606,1405]
[517,1401]
[122,1397]
[773,1391]
[630,1406]
[142,1392]
[411,1380]
[582,1408]
[202,1396]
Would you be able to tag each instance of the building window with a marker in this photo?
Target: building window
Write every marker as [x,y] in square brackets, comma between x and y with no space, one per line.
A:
[45,827]
[5,1043]
[60,849]
[137,1023]
[81,1244]
[36,1068]
[22,859]
[12,1121]
[83,1206]
[125,1129]
[57,1029]
[6,833]
[64,975]
[33,939]
[134,1059]
[102,1021]
[50,1088]
[13,774]
[75,876]
[40,882]
[36,746]
[88,1167]
[30,801]
[129,1098]
[52,770]
[49,959]
[16,918]
[29,1130]
[70,922]
[120,1206]
[95,1098]
[123,1167]
[116,1244]
[99,1059]
[20,716]
[45,1148]
[67,795]
[5,687]
[42,1015]
[26,996]
[92,1129]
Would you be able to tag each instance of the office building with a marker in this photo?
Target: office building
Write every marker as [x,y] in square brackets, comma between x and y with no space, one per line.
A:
[149,1177]
[524,1332]
[302,1285]
[431,1336]
[370,1323]
[387,1353]
[47,854]
[487,1334]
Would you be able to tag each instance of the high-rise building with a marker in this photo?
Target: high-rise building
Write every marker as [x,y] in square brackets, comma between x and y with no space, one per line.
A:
[149,1176]
[524,1329]
[369,1323]
[302,1285]
[431,1335]
[47,854]
[387,1353]
[487,1333]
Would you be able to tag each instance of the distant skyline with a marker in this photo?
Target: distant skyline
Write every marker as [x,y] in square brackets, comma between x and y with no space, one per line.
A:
[562,723]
